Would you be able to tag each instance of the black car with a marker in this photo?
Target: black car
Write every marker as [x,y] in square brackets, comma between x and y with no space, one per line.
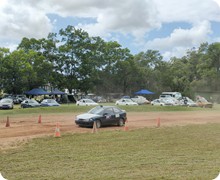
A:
[102,115]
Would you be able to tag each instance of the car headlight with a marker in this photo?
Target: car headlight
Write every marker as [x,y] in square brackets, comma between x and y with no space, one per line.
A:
[91,119]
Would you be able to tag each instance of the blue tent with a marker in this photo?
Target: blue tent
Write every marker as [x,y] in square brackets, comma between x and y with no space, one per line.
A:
[144,91]
[57,92]
[37,91]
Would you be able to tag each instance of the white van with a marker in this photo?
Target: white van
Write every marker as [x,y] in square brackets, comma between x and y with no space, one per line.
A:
[176,95]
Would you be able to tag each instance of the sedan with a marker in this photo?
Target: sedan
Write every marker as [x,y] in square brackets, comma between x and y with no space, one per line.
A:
[202,102]
[162,102]
[6,103]
[102,116]
[86,102]
[49,102]
[125,102]
[29,103]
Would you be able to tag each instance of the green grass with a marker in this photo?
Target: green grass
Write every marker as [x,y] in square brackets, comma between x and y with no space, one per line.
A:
[188,152]
[71,108]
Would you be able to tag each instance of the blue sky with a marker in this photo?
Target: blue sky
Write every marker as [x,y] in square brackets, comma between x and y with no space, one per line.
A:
[169,26]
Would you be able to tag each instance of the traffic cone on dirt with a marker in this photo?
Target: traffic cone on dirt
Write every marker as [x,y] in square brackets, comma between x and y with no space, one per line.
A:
[39,119]
[7,122]
[158,122]
[57,130]
[94,128]
[126,126]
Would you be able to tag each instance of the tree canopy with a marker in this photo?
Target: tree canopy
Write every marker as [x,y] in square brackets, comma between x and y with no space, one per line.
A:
[73,59]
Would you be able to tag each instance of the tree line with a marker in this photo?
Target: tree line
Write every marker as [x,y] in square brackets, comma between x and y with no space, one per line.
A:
[74,60]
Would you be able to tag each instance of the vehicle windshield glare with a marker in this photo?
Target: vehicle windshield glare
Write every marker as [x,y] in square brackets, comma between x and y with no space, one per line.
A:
[6,101]
[32,101]
[96,110]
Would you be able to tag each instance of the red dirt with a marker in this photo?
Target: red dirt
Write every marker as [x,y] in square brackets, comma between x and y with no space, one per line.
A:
[24,128]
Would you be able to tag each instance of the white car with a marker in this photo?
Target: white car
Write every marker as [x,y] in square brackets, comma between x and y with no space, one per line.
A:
[86,102]
[140,100]
[188,102]
[191,103]
[49,102]
[161,102]
[125,102]
[6,103]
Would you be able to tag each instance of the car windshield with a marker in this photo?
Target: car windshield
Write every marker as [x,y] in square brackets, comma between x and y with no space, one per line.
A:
[128,100]
[6,100]
[89,101]
[51,101]
[202,99]
[190,101]
[33,101]
[96,110]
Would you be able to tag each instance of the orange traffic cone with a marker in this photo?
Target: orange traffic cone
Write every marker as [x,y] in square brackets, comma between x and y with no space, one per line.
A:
[126,126]
[39,119]
[158,122]
[57,130]
[94,128]
[7,122]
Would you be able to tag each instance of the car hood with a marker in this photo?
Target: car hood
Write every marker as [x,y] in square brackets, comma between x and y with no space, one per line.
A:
[5,103]
[87,116]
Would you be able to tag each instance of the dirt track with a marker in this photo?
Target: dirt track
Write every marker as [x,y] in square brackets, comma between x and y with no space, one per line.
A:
[23,128]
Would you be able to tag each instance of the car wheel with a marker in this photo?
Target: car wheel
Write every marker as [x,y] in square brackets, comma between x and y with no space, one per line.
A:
[98,124]
[121,122]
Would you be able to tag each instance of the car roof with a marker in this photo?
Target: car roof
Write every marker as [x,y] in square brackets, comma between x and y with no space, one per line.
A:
[104,107]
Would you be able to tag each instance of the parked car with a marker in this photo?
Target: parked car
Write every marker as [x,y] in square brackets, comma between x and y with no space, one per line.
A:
[162,102]
[157,102]
[188,102]
[102,116]
[125,102]
[21,98]
[49,102]
[6,103]
[140,100]
[202,102]
[86,102]
[29,103]
[191,103]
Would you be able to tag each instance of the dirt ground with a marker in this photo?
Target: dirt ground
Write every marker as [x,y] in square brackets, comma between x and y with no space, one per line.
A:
[25,128]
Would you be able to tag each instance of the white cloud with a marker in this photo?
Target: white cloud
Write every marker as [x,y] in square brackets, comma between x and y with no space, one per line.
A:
[218,2]
[20,20]
[188,10]
[29,18]
[124,16]
[181,39]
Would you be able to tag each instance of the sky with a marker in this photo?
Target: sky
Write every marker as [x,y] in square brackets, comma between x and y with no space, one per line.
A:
[170,26]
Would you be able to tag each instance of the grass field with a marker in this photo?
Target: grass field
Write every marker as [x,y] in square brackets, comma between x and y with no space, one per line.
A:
[178,152]
[68,108]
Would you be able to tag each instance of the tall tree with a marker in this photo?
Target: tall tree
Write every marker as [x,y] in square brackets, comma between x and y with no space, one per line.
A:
[4,52]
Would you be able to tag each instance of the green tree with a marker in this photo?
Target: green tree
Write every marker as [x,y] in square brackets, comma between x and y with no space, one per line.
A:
[4,52]
[113,56]
[152,70]
[13,72]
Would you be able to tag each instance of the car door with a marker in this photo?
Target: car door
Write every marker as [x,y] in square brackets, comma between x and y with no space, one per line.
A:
[117,113]
[108,116]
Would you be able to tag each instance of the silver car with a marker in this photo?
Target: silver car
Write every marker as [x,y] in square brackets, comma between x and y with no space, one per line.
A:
[6,103]
[29,103]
